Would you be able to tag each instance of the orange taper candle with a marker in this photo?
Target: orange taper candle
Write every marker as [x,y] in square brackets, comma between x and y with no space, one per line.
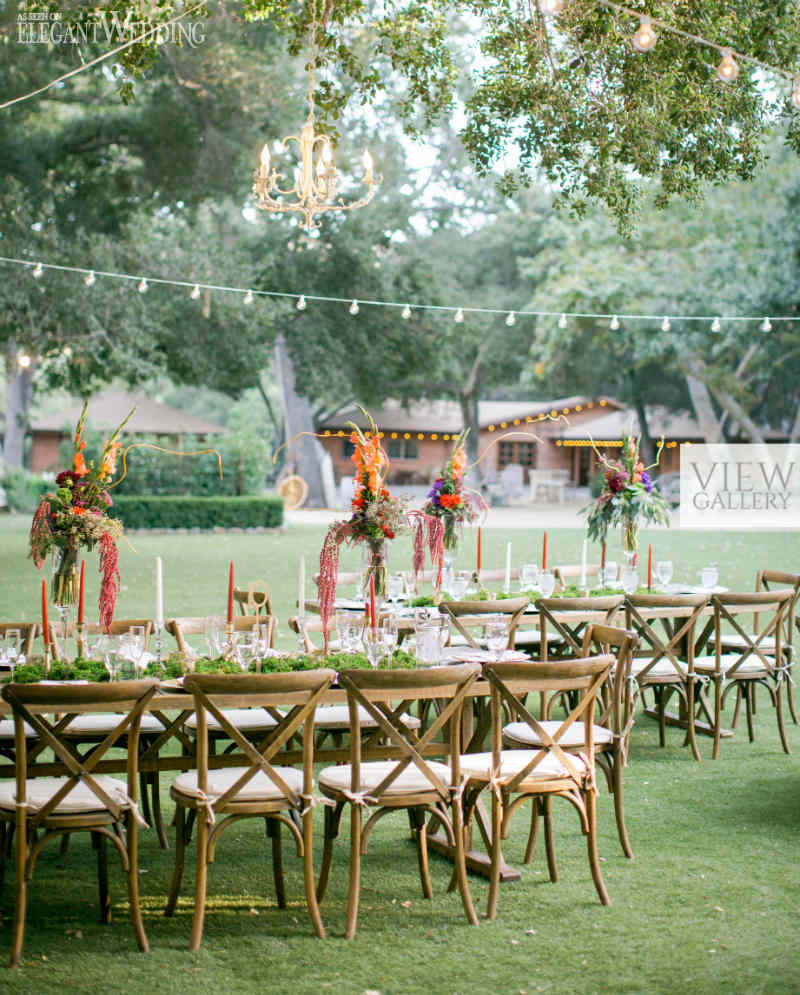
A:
[45,623]
[544,552]
[603,556]
[230,595]
[373,617]
[82,593]
[649,567]
[479,549]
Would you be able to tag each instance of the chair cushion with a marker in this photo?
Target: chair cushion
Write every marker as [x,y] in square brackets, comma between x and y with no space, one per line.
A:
[40,790]
[253,719]
[533,637]
[751,665]
[479,765]
[259,788]
[94,723]
[521,734]
[663,668]
[7,730]
[411,781]
[338,717]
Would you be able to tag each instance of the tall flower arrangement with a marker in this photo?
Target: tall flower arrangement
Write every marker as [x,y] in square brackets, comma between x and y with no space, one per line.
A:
[377,516]
[75,516]
[628,498]
[449,500]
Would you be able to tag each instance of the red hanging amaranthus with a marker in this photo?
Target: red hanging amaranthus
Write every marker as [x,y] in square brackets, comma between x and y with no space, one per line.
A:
[428,530]
[109,586]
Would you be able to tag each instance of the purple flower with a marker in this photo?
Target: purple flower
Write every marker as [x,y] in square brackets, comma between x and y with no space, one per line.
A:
[647,481]
[435,493]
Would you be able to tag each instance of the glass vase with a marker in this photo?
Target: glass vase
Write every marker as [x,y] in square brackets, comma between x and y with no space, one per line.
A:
[64,585]
[375,566]
[630,541]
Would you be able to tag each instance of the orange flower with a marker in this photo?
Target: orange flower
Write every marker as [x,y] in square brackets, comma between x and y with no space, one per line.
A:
[459,462]
[109,465]
[78,511]
[79,464]
[450,500]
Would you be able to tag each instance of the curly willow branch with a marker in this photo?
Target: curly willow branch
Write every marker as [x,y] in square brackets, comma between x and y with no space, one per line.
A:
[160,449]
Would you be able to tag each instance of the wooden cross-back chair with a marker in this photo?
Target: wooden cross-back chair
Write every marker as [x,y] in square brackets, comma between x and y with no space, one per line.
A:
[571,573]
[284,796]
[413,783]
[569,617]
[28,631]
[663,663]
[181,628]
[81,799]
[119,627]
[616,705]
[466,615]
[758,660]
[551,769]
[254,599]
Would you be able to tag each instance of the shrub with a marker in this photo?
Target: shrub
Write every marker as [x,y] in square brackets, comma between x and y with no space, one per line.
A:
[23,490]
[198,512]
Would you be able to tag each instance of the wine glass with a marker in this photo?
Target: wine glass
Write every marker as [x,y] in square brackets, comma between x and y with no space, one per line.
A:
[344,621]
[136,646]
[212,633]
[352,639]
[372,640]
[496,635]
[610,574]
[664,572]
[547,583]
[459,583]
[10,654]
[630,579]
[709,576]
[95,644]
[396,586]
[528,576]
[390,637]
[113,657]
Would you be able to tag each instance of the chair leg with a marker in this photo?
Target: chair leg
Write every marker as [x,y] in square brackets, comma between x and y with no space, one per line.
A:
[200,882]
[133,884]
[662,722]
[619,811]
[691,732]
[717,716]
[549,840]
[332,817]
[180,851]
[308,873]
[737,707]
[21,895]
[779,708]
[421,839]
[461,861]
[591,842]
[144,794]
[533,835]
[496,856]
[158,820]
[274,832]
[790,700]
[355,871]
[99,844]
[749,692]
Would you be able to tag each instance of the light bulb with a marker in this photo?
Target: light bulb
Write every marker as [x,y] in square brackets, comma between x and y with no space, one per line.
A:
[195,292]
[248,297]
[327,153]
[265,157]
[728,69]
[796,94]
[353,308]
[38,269]
[614,324]
[550,7]
[766,325]
[459,318]
[24,360]
[89,279]
[562,321]
[666,325]
[716,325]
[645,37]
[406,312]
[366,161]
[301,303]
[320,167]
[142,288]
[66,352]
[511,319]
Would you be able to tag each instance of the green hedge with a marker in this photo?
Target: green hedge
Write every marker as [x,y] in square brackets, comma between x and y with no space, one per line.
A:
[198,512]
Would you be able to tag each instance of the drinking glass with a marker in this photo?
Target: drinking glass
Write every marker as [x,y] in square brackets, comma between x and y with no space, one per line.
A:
[95,644]
[352,638]
[664,572]
[212,633]
[709,576]
[547,583]
[396,587]
[113,658]
[528,576]
[343,620]
[496,634]
[136,646]
[372,640]
[459,583]
[10,650]
[390,637]
[630,579]
[610,574]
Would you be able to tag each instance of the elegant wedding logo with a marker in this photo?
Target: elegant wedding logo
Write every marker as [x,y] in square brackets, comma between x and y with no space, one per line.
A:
[740,486]
[49,28]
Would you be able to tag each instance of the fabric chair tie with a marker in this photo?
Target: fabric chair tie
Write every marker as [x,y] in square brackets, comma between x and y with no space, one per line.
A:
[313,800]
[784,672]
[703,679]
[457,794]
[207,804]
[359,798]
[495,785]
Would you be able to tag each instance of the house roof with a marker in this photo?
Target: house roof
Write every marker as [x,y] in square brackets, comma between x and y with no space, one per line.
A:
[445,416]
[107,410]
[611,426]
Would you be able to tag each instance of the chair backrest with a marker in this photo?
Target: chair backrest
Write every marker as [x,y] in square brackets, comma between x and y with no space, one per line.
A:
[469,614]
[767,580]
[385,695]
[674,642]
[302,690]
[28,631]
[616,710]
[772,605]
[311,625]
[569,571]
[499,574]
[568,617]
[353,577]
[48,709]
[254,600]
[117,628]
[511,682]
[180,628]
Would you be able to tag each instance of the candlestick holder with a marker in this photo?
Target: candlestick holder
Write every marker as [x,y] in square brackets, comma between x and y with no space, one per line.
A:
[158,628]
[80,638]
[65,617]
[47,658]
[301,634]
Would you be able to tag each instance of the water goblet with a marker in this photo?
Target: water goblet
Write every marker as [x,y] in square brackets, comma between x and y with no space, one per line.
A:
[390,637]
[396,587]
[547,583]
[136,646]
[113,659]
[709,576]
[610,574]
[212,633]
[664,572]
[459,584]
[496,635]
[10,651]
[372,640]
[630,579]
[528,576]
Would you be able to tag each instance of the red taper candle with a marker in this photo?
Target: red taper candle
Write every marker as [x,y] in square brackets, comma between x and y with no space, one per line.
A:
[230,594]
[480,549]
[544,552]
[82,594]
[373,618]
[45,623]
[603,556]
[649,567]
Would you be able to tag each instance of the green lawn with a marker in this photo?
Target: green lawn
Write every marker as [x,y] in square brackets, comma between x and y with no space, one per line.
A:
[710,904]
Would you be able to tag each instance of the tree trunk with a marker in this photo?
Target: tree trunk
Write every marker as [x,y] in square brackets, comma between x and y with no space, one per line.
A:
[647,450]
[469,419]
[737,412]
[795,434]
[19,393]
[710,428]
[303,453]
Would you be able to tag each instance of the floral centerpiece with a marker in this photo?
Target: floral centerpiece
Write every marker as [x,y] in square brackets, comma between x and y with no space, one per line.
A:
[76,516]
[628,498]
[377,516]
[449,500]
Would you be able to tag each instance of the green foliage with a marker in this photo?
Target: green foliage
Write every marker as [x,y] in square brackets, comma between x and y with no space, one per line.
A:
[198,512]
[23,490]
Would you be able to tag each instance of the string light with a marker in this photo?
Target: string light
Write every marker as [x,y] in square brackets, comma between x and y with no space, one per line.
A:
[301,303]
[38,269]
[459,318]
[716,325]
[666,325]
[766,325]
[645,38]
[551,7]
[142,288]
[89,279]
[562,321]
[406,312]
[24,360]
[248,297]
[728,69]
[511,319]
[353,307]
[195,294]
[614,324]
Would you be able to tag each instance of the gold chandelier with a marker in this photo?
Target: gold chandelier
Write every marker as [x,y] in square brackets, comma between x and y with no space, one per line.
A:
[316,183]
